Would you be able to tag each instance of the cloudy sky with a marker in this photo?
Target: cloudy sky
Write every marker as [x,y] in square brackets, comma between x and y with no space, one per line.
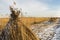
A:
[32,8]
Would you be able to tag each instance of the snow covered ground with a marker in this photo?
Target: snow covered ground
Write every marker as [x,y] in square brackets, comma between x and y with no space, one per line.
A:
[50,32]
[57,32]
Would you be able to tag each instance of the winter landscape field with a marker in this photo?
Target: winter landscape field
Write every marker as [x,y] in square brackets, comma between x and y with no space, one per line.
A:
[44,28]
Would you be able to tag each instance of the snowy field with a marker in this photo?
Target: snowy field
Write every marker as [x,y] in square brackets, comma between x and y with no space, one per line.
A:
[47,30]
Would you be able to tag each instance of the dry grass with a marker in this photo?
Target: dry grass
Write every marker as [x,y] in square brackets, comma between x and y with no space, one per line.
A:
[26,20]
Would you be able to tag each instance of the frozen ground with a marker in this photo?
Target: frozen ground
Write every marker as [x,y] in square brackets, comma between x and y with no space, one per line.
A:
[47,30]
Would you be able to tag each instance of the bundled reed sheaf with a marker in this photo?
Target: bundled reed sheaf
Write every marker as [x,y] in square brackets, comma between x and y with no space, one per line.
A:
[15,29]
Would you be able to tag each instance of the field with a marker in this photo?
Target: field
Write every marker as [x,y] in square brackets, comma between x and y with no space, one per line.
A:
[45,28]
[26,20]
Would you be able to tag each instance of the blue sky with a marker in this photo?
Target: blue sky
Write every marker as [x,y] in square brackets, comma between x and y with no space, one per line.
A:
[32,8]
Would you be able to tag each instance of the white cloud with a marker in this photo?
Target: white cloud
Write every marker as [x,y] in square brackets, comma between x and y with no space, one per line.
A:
[35,8]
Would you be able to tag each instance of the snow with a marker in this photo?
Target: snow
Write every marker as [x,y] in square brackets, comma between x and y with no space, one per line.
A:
[52,32]
[57,34]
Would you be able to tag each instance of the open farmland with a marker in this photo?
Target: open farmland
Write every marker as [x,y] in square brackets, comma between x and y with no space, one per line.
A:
[26,20]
